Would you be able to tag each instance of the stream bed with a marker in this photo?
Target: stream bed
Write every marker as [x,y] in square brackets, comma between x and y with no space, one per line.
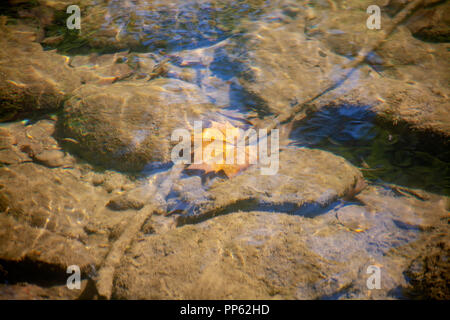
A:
[87,119]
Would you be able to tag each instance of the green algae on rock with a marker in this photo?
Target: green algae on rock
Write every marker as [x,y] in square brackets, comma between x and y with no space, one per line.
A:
[128,124]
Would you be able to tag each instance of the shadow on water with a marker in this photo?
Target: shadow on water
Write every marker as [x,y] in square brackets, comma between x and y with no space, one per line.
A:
[385,153]
[308,210]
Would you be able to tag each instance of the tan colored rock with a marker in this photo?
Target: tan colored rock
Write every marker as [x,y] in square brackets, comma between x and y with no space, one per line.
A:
[272,255]
[156,25]
[54,216]
[20,241]
[344,30]
[129,124]
[238,256]
[12,156]
[33,142]
[408,80]
[430,271]
[35,81]
[420,106]
[285,67]
[430,22]
[307,180]
[52,158]
[124,202]
[31,80]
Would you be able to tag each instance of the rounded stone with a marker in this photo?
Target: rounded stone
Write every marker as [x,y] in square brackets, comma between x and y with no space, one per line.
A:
[127,125]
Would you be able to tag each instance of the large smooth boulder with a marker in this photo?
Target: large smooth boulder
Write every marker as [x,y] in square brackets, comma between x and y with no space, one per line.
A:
[238,256]
[31,80]
[269,255]
[284,67]
[274,255]
[127,125]
[307,181]
[34,81]
[42,218]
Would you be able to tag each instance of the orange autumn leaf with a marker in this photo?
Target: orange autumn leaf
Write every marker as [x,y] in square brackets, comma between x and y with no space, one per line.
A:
[218,144]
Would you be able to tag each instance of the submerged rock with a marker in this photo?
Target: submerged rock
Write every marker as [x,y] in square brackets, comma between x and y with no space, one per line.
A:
[154,25]
[343,28]
[429,273]
[55,218]
[273,255]
[284,67]
[31,80]
[307,181]
[407,79]
[238,256]
[34,81]
[419,105]
[51,158]
[42,217]
[124,202]
[429,23]
[20,241]
[40,197]
[128,124]
[33,142]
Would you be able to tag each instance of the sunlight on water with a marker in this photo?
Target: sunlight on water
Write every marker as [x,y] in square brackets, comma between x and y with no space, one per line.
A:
[90,118]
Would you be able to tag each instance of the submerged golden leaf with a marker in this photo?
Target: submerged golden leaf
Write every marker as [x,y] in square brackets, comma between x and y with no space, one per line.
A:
[218,147]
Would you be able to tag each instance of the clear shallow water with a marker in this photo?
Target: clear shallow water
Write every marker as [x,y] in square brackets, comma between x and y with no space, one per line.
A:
[384,152]
[161,26]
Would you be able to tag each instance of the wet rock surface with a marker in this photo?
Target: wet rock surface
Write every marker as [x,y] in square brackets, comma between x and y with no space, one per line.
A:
[390,152]
[308,232]
[34,81]
[33,142]
[281,79]
[269,255]
[420,106]
[307,181]
[53,217]
[429,273]
[31,80]
[408,87]
[431,23]
[219,261]
[129,124]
